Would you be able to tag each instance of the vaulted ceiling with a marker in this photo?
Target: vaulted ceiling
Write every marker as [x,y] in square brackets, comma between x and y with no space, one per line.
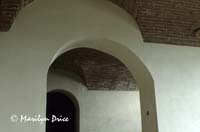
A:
[9,10]
[98,70]
[160,21]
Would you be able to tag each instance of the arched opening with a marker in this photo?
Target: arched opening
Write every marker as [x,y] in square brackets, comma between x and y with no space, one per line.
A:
[106,81]
[62,110]
[134,65]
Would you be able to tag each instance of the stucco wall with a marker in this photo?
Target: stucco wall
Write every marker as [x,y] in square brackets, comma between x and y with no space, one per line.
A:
[45,26]
[176,72]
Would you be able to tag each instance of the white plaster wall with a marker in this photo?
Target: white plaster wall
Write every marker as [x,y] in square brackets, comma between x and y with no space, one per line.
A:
[175,70]
[45,26]
[100,111]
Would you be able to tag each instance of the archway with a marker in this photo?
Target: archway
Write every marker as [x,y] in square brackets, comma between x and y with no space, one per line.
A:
[142,76]
[62,111]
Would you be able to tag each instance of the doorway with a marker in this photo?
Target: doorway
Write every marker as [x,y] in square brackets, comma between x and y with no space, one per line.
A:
[61,112]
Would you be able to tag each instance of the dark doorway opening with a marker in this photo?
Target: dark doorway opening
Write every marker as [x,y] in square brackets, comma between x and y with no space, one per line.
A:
[62,111]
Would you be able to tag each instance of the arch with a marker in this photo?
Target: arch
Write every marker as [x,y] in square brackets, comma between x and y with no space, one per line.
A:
[68,99]
[9,17]
[142,76]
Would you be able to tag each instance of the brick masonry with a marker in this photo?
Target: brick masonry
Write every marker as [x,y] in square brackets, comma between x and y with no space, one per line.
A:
[166,21]
[9,10]
[160,21]
[98,70]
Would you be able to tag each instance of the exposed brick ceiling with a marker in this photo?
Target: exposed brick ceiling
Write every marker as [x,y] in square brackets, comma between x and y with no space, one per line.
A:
[9,10]
[166,21]
[98,70]
[160,21]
